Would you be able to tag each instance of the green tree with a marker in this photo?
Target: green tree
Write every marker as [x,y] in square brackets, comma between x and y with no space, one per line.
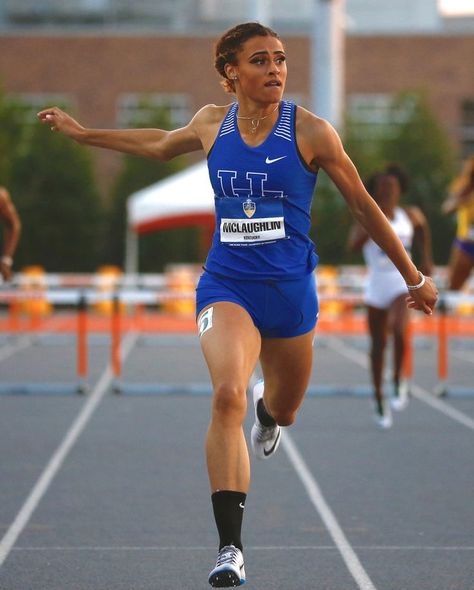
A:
[158,248]
[331,220]
[423,148]
[58,203]
[411,137]
[12,128]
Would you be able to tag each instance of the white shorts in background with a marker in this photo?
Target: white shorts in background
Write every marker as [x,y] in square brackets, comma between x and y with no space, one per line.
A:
[383,288]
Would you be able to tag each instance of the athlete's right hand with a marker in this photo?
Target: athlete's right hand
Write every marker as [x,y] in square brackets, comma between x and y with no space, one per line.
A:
[60,121]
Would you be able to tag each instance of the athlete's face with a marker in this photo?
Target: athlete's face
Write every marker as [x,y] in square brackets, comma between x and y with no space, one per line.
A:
[261,69]
[387,191]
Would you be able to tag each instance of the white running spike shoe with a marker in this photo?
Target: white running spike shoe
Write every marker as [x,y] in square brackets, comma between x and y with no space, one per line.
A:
[399,400]
[384,421]
[264,439]
[229,571]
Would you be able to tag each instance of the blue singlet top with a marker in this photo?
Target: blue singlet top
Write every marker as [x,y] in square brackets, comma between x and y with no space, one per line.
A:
[263,200]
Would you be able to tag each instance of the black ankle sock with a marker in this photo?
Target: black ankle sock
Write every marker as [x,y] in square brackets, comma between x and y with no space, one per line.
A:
[396,388]
[379,406]
[263,415]
[228,511]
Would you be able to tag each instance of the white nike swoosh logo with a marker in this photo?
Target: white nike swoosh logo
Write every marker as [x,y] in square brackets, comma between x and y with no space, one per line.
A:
[241,505]
[271,160]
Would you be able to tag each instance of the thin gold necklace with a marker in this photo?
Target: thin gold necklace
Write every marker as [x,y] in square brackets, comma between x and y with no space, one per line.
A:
[255,121]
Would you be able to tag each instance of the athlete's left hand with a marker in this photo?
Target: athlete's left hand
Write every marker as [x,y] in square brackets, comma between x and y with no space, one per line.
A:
[423,299]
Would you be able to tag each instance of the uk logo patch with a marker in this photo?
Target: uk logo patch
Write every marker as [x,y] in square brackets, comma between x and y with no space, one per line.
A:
[249,208]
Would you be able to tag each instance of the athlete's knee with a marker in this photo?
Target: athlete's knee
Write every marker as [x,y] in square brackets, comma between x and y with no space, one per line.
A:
[229,402]
[378,346]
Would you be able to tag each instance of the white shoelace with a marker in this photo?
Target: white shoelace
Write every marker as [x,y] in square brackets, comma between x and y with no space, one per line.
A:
[265,433]
[227,555]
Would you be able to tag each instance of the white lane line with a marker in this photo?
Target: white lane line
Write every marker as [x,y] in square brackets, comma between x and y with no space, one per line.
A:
[417,391]
[441,406]
[157,548]
[56,461]
[349,352]
[463,355]
[345,549]
[312,488]
[10,349]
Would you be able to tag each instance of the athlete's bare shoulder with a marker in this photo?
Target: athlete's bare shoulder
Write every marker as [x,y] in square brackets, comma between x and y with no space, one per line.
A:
[317,139]
[211,113]
[207,121]
[312,127]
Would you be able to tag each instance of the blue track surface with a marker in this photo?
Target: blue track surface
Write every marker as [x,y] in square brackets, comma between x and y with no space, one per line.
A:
[107,491]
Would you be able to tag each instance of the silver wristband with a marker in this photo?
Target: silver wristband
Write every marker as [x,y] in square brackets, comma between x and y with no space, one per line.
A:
[420,284]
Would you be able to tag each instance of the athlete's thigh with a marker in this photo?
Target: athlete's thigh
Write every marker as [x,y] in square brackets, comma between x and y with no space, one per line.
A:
[230,342]
[286,364]
[377,320]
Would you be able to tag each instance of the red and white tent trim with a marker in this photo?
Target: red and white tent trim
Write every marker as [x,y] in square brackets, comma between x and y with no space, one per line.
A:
[183,199]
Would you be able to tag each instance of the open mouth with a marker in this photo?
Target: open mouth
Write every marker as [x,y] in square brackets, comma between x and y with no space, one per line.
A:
[273,83]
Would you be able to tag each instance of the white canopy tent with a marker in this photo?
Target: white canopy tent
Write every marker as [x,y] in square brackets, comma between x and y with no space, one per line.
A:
[185,198]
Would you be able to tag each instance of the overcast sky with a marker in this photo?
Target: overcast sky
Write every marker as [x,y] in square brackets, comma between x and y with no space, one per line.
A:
[456,7]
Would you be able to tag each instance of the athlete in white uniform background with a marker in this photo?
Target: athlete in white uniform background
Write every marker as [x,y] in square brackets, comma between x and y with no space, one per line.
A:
[384,282]
[386,291]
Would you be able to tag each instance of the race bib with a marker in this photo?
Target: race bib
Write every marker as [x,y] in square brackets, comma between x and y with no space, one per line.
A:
[247,221]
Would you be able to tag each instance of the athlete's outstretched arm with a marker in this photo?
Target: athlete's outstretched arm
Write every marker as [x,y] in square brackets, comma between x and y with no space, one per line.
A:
[11,234]
[150,143]
[329,154]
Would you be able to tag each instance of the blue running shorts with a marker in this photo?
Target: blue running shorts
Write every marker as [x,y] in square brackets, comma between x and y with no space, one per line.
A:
[466,246]
[279,309]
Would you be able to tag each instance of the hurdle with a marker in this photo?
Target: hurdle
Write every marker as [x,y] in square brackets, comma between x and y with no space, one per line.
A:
[133,295]
[83,300]
[82,352]
[449,301]
[28,330]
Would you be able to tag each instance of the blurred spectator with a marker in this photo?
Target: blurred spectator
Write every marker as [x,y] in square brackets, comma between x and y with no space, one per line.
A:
[461,200]
[11,233]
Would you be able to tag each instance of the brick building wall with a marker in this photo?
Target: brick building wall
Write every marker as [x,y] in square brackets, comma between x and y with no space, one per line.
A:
[95,70]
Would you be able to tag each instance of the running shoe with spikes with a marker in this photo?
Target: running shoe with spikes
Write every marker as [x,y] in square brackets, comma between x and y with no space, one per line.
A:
[383,419]
[229,571]
[265,439]
[399,400]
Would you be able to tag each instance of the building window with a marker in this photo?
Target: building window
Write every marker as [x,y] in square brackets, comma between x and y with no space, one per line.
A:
[96,12]
[34,102]
[140,109]
[282,10]
[377,115]
[467,127]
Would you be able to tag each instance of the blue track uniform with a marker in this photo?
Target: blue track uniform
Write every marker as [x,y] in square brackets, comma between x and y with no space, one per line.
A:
[263,200]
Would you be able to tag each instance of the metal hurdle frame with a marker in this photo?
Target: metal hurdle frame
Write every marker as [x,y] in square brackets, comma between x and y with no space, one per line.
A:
[139,291]
[449,300]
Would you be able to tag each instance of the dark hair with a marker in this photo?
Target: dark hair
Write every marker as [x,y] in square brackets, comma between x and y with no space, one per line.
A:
[400,174]
[230,43]
[371,182]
